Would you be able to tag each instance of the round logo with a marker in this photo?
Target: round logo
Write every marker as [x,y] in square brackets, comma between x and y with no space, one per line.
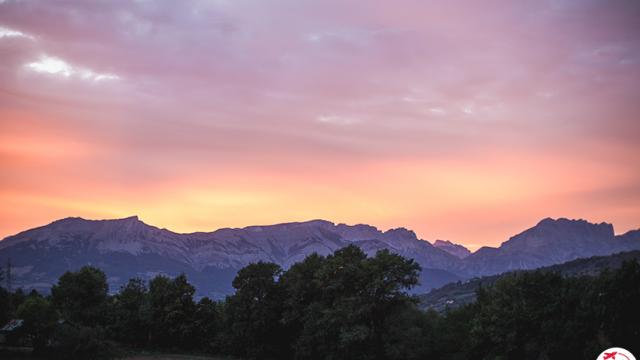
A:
[616,354]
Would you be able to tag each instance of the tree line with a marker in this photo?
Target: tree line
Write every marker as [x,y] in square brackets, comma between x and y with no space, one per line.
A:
[341,306]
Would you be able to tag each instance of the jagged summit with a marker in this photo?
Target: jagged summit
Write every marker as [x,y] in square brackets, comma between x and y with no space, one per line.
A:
[546,222]
[549,242]
[402,232]
[453,249]
[133,218]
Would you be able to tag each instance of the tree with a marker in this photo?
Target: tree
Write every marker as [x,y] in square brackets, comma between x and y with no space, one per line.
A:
[388,276]
[616,299]
[410,334]
[533,315]
[207,323]
[81,296]
[130,315]
[254,313]
[5,306]
[302,293]
[16,298]
[78,342]
[451,337]
[340,306]
[172,312]
[39,320]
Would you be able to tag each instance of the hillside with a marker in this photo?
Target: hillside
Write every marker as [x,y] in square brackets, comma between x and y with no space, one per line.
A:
[463,292]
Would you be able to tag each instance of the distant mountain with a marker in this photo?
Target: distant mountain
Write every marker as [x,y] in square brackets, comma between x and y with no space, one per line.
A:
[550,242]
[126,248]
[456,250]
[463,292]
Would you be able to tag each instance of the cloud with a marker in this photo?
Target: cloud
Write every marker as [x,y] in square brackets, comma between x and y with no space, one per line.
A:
[55,66]
[10,33]
[437,111]
[338,119]
[468,110]
[218,87]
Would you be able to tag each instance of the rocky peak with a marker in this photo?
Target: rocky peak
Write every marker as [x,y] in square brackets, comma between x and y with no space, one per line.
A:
[401,233]
[574,224]
[551,233]
[550,241]
[456,250]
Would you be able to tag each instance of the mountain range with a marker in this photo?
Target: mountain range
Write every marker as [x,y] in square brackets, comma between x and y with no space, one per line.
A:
[127,248]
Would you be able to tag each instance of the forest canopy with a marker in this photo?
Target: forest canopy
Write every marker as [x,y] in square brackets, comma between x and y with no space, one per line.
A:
[342,306]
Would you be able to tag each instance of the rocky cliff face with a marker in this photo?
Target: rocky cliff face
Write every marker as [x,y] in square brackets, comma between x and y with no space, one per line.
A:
[456,250]
[550,242]
[126,248]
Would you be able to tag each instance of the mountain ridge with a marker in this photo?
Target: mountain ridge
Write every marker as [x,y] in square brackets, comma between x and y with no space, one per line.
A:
[549,242]
[128,247]
[71,242]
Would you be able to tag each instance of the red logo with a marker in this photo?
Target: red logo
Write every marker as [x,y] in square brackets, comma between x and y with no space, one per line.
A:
[616,354]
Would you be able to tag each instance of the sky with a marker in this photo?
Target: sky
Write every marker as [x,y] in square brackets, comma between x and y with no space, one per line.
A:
[462,120]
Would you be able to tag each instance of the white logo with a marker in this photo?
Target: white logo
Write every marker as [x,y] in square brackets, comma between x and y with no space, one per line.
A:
[616,354]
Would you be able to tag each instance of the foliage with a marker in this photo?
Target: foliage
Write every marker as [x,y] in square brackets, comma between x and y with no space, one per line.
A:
[207,324]
[544,315]
[526,316]
[616,300]
[254,311]
[5,306]
[461,293]
[172,312]
[342,306]
[75,342]
[333,307]
[81,296]
[130,314]
[39,320]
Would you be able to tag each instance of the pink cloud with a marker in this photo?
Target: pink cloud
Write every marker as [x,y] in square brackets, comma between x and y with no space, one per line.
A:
[253,88]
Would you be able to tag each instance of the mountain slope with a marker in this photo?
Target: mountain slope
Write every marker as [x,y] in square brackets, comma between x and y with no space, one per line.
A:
[127,248]
[550,242]
[460,293]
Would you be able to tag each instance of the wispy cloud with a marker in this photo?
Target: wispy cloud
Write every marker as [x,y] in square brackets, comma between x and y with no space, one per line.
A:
[55,66]
[200,89]
[10,33]
[338,119]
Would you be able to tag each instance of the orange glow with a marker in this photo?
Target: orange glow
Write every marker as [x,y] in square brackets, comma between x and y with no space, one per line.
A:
[437,198]
[465,121]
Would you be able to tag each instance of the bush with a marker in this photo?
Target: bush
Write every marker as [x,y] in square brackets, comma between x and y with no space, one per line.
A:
[82,343]
[39,320]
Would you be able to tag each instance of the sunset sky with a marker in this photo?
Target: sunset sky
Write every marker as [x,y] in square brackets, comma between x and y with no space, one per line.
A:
[462,120]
